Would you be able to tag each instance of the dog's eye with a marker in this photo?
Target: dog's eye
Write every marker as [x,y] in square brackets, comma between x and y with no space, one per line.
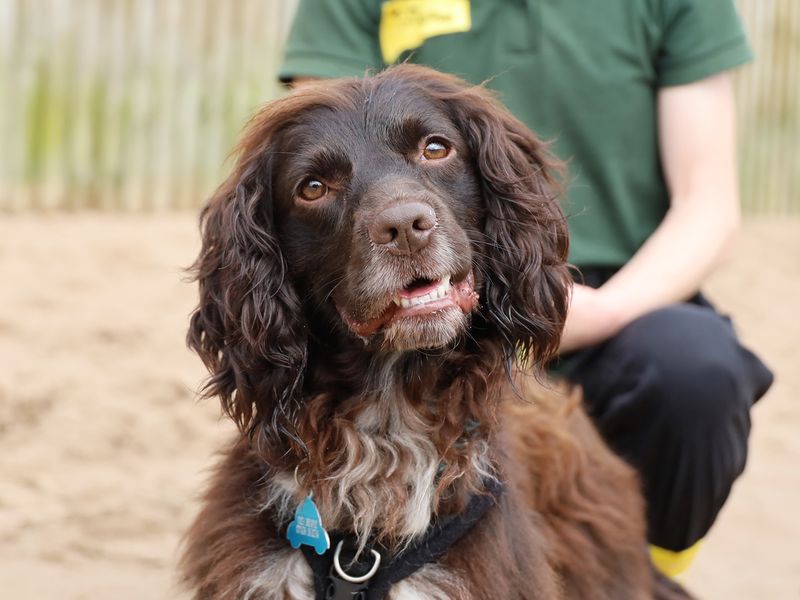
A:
[435,150]
[312,189]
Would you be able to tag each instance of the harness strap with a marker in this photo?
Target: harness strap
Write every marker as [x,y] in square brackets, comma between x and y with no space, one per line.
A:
[439,537]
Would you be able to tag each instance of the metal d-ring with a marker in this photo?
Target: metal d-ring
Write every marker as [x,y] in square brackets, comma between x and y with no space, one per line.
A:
[350,578]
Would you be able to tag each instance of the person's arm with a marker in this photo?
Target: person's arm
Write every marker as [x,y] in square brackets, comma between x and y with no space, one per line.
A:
[698,153]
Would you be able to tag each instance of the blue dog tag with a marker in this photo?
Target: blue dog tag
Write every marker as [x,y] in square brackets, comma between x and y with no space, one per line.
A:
[306,528]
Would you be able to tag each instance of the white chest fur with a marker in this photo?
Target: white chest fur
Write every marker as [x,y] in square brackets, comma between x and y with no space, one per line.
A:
[387,444]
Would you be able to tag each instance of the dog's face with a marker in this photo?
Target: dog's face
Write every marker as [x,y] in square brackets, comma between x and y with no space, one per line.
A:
[406,210]
[379,211]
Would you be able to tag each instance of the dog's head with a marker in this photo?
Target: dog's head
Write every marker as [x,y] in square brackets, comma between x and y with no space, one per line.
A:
[394,214]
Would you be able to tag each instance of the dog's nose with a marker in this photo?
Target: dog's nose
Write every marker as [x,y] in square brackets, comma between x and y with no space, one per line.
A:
[403,228]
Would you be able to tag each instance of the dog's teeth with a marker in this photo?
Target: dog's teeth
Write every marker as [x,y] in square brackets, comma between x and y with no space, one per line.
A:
[442,290]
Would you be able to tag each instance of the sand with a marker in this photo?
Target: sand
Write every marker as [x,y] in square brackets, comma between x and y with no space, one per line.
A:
[103,447]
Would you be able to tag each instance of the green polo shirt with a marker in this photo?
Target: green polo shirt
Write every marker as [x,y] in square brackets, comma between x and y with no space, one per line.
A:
[582,73]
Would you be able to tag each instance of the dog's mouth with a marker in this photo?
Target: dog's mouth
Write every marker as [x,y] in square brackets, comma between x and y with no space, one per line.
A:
[420,298]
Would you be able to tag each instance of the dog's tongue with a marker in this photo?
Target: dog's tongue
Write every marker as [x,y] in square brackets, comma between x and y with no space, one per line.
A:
[415,291]
[462,294]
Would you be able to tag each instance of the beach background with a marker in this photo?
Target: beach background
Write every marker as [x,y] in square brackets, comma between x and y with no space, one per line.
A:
[103,444]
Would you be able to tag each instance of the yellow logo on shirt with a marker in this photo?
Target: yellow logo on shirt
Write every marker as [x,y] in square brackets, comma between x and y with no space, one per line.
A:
[406,24]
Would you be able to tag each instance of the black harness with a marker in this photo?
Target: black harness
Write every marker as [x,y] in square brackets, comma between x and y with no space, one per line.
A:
[339,576]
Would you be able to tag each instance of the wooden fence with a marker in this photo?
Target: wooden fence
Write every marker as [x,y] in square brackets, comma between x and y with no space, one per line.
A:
[132,104]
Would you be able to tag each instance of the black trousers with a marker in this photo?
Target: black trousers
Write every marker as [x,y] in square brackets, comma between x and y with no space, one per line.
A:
[671,393]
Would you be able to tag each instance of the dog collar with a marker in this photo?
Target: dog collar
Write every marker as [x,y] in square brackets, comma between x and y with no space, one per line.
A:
[337,576]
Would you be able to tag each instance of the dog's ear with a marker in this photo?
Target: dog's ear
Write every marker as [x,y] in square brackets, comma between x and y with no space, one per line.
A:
[248,328]
[527,281]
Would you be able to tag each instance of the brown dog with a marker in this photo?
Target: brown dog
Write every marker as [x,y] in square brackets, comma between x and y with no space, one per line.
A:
[383,253]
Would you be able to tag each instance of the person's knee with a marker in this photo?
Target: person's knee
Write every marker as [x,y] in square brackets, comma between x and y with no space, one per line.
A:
[690,361]
[701,391]
[698,403]
[691,356]
[679,411]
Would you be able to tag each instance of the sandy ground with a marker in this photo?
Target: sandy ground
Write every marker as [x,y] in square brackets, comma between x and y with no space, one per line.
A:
[103,448]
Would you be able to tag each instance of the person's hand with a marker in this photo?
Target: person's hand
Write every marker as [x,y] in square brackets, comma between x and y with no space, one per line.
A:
[592,318]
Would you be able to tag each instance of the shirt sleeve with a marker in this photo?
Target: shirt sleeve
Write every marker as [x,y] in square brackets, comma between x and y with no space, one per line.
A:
[700,38]
[332,38]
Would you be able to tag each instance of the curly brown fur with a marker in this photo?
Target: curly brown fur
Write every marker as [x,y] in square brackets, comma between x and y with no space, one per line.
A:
[433,195]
